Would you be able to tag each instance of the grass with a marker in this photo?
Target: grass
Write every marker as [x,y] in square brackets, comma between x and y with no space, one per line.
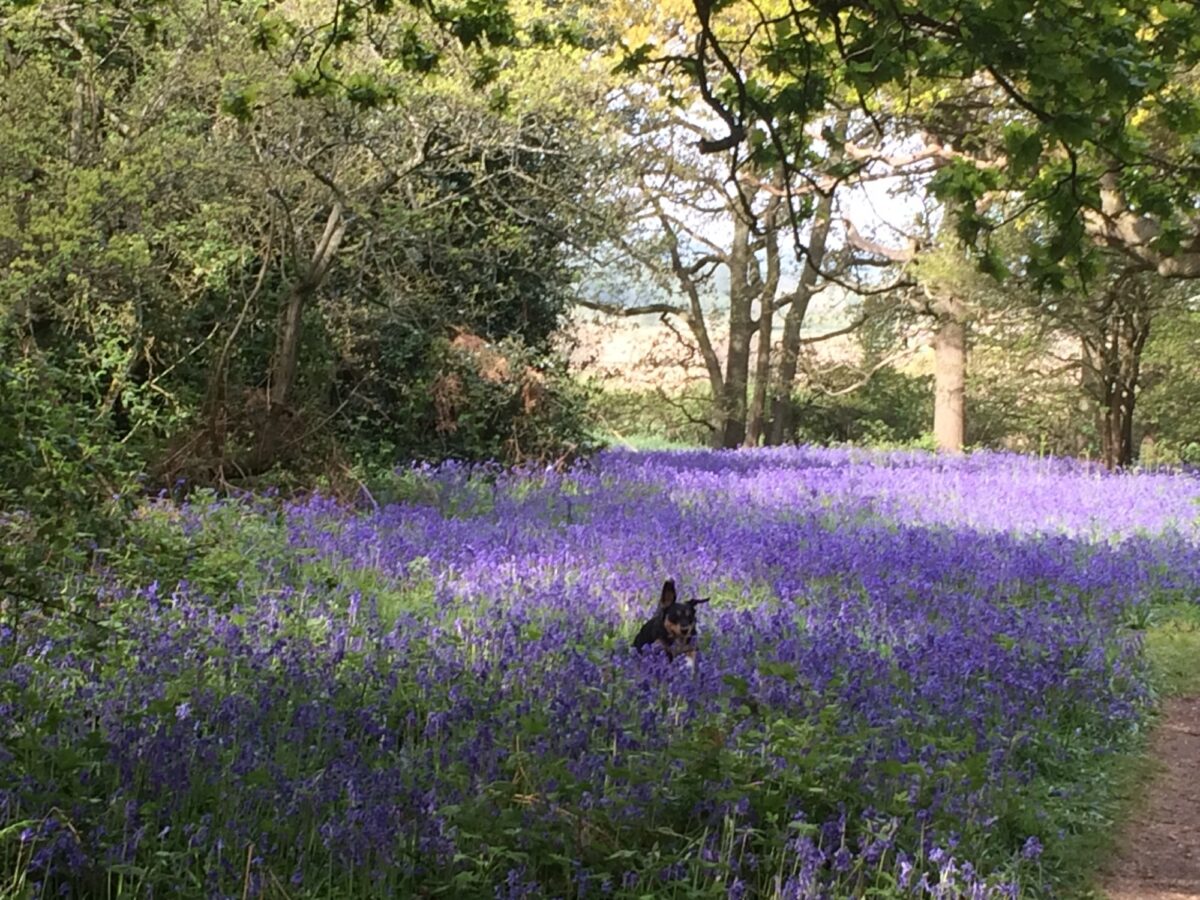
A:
[1118,783]
[645,442]
[1173,648]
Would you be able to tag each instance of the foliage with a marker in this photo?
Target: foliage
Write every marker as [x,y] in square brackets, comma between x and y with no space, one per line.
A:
[351,197]
[498,402]
[62,476]
[633,415]
[1170,401]
[1088,111]
[1021,397]
[904,660]
[892,408]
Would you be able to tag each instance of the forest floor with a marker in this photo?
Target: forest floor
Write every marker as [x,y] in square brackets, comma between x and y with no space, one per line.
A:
[1158,853]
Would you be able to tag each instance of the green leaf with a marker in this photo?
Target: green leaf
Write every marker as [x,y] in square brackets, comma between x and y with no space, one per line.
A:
[779,669]
[740,686]
[1023,145]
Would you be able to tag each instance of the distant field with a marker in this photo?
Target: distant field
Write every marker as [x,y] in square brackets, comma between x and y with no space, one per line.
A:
[915,677]
[645,354]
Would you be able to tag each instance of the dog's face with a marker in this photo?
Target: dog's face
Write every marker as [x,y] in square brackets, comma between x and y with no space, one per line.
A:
[678,619]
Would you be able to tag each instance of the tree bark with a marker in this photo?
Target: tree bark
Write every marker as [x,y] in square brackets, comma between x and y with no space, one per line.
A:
[950,377]
[732,409]
[1116,226]
[1112,362]
[1091,382]
[1128,339]
[287,345]
[780,427]
[756,419]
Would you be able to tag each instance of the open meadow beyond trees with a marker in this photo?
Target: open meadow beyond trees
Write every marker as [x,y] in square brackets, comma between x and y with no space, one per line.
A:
[916,677]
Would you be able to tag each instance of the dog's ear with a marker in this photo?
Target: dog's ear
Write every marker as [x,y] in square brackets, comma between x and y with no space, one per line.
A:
[695,603]
[668,594]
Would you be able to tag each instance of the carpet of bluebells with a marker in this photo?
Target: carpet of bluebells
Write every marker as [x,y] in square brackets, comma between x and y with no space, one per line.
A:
[904,662]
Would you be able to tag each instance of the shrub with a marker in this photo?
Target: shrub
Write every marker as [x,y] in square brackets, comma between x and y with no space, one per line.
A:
[891,408]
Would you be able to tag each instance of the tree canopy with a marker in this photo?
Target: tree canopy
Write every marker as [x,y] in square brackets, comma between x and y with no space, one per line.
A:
[1088,111]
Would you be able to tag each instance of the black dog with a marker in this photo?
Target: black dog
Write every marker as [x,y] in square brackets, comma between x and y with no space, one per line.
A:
[673,626]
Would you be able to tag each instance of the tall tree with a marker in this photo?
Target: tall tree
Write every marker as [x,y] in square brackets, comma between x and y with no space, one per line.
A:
[1110,319]
[719,249]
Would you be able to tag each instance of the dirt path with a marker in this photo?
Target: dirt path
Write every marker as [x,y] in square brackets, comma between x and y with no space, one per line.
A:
[1158,856]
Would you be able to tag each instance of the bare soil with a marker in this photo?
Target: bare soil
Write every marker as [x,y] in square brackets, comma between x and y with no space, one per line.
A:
[1158,852]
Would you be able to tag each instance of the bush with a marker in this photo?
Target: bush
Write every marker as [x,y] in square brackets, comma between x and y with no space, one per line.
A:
[891,408]
[1168,411]
[63,475]
[475,399]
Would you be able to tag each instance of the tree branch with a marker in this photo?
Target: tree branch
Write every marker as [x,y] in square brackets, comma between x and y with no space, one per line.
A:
[853,326]
[646,309]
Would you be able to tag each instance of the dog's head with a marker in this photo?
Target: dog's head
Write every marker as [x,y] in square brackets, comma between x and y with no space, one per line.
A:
[678,619]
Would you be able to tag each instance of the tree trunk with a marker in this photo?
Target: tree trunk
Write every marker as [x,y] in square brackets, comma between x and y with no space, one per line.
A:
[780,427]
[756,424]
[1113,429]
[950,371]
[1120,384]
[278,431]
[1112,366]
[287,345]
[1095,395]
[287,352]
[732,402]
